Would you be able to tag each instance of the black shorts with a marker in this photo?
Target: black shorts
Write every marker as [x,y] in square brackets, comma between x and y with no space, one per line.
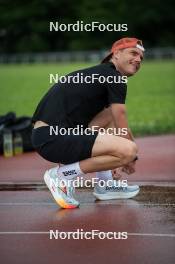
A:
[64,149]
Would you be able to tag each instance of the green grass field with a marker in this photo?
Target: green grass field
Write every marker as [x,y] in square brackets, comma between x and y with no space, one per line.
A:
[150,99]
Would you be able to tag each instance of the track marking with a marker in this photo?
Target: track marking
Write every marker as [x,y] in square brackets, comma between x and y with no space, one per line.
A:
[48,232]
[24,204]
[135,203]
[151,234]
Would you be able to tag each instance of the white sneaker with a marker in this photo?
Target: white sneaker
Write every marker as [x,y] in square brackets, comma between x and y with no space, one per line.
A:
[115,191]
[63,195]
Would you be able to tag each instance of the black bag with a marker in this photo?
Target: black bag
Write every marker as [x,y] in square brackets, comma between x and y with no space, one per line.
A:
[22,125]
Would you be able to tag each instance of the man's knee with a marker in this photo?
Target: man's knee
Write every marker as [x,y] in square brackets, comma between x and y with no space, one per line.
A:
[130,152]
[127,152]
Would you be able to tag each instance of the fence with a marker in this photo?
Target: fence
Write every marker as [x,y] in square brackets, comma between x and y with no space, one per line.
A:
[83,56]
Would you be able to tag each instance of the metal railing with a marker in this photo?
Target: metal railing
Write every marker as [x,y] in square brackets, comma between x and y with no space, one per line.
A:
[83,56]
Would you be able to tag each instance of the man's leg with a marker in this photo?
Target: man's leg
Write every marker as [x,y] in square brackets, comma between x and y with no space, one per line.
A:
[109,152]
[102,192]
[104,120]
[105,147]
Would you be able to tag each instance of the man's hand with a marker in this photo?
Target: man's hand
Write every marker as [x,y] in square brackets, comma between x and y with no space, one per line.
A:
[116,173]
[129,168]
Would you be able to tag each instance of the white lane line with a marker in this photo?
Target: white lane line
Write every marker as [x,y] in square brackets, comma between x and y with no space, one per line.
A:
[135,203]
[151,234]
[23,204]
[48,232]
[24,233]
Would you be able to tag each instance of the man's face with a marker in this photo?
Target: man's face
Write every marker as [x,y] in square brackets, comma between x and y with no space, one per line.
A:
[128,60]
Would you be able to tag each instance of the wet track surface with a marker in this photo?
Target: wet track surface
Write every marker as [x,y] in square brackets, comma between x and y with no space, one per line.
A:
[28,213]
[149,223]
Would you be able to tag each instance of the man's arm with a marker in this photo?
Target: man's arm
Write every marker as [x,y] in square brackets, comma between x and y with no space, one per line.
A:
[119,115]
[130,134]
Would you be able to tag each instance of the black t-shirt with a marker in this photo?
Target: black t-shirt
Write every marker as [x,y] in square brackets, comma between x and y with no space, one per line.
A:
[71,104]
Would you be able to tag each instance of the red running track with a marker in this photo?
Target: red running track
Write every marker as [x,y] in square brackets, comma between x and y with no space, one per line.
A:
[149,224]
[156,163]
